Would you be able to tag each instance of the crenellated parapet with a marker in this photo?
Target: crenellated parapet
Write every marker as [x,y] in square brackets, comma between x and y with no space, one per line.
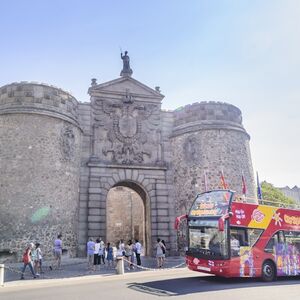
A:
[207,115]
[38,98]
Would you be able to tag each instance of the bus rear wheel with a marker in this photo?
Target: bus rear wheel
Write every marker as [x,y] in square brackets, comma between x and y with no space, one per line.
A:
[268,271]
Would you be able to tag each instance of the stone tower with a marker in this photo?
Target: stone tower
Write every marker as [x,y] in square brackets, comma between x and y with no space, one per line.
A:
[208,138]
[40,141]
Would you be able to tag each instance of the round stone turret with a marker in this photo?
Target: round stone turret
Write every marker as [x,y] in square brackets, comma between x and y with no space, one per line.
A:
[208,138]
[40,142]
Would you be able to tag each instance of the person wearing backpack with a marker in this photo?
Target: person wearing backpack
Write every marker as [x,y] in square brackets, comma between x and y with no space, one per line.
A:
[27,261]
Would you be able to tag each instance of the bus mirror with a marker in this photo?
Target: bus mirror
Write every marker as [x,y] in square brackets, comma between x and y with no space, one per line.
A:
[178,220]
[221,224]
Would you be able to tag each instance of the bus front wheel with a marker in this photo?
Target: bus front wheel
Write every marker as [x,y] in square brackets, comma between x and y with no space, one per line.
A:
[268,271]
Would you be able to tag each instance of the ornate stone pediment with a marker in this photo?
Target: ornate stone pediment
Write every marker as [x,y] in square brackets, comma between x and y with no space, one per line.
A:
[120,85]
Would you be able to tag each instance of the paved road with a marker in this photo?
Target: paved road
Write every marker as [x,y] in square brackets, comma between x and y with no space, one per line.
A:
[179,283]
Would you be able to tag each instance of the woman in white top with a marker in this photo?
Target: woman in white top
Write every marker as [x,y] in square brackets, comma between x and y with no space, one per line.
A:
[121,249]
[128,254]
[160,248]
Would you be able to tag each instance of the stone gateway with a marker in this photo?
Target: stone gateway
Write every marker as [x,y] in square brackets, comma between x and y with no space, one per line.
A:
[116,167]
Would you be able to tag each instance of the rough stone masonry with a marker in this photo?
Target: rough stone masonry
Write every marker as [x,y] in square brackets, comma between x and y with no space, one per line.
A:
[59,159]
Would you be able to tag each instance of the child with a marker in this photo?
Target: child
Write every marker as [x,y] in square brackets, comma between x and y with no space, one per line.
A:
[38,262]
[110,257]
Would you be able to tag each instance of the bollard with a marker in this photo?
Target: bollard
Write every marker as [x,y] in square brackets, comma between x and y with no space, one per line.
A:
[1,275]
[120,265]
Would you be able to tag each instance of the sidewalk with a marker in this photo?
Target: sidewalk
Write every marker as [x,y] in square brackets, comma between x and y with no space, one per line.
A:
[77,267]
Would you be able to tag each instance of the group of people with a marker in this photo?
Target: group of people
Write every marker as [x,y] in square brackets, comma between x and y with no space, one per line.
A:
[32,258]
[97,252]
[130,251]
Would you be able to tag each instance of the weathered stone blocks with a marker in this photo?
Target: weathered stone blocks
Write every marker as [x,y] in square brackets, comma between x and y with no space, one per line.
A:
[65,157]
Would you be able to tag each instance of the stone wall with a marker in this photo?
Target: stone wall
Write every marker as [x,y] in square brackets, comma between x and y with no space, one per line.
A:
[125,216]
[61,161]
[39,167]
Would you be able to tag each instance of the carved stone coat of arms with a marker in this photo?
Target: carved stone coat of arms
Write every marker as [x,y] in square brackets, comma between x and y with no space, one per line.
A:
[128,130]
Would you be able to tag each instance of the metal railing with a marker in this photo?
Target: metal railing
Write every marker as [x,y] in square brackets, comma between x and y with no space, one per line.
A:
[253,200]
[117,268]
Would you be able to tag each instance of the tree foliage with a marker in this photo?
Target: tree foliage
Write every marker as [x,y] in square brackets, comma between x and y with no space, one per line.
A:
[276,197]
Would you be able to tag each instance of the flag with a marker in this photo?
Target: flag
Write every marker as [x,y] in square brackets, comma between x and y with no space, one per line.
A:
[223,182]
[205,182]
[259,192]
[244,188]
[178,221]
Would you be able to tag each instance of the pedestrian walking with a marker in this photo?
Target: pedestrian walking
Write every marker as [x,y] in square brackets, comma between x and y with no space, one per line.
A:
[38,263]
[90,248]
[110,256]
[138,251]
[159,253]
[57,251]
[27,261]
[34,258]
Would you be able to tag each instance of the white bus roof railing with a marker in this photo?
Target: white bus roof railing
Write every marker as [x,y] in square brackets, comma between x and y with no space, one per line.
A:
[252,200]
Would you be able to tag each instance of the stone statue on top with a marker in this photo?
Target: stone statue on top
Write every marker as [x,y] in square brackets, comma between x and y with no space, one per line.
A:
[126,71]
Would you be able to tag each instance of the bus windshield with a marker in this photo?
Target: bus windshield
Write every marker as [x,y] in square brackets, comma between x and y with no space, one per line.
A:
[213,203]
[206,240]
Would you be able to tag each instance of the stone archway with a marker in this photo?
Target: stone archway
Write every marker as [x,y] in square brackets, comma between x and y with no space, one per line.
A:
[128,214]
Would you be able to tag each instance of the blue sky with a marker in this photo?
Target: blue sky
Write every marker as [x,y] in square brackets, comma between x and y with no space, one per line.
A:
[241,52]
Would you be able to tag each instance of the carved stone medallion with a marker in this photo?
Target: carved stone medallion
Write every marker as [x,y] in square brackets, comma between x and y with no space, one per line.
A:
[67,143]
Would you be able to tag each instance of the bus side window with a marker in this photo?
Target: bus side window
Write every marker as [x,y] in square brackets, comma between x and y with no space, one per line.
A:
[253,235]
[271,243]
[293,239]
[297,241]
[281,237]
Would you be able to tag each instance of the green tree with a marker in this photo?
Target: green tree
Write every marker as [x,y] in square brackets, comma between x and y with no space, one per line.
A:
[276,197]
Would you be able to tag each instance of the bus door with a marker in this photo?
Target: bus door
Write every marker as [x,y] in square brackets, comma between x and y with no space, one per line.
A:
[242,241]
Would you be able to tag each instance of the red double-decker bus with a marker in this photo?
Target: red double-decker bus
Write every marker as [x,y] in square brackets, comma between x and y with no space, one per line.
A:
[230,238]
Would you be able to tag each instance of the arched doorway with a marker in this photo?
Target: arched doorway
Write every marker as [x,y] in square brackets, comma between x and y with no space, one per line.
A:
[127,216]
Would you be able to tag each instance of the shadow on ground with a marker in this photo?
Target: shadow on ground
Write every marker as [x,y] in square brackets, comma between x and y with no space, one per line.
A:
[191,285]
